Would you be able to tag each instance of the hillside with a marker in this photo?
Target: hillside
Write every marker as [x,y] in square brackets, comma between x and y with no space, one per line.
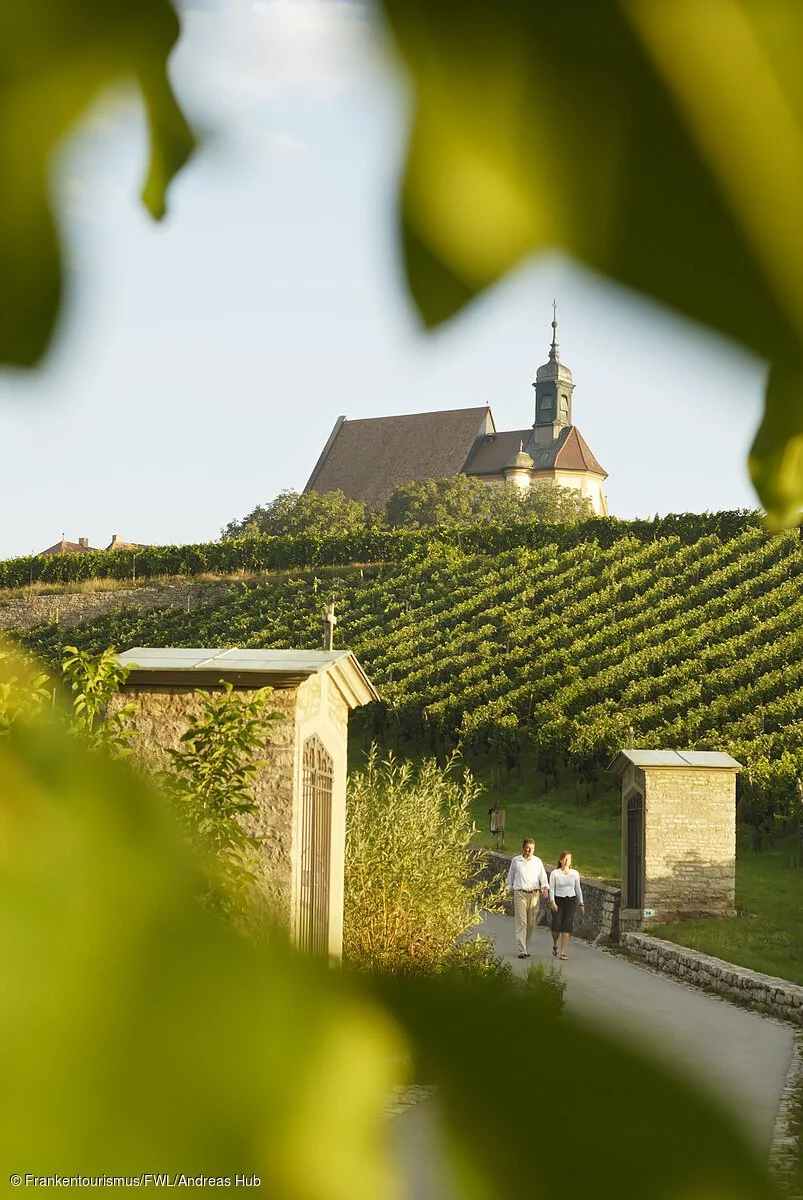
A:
[693,641]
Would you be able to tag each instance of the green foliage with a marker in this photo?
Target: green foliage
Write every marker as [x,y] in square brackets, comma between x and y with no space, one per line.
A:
[265,553]
[463,501]
[474,1097]
[92,682]
[410,892]
[118,976]
[57,58]
[24,688]
[211,787]
[138,1032]
[548,650]
[292,514]
[633,153]
[548,984]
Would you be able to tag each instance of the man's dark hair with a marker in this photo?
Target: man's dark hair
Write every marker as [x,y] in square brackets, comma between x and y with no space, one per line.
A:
[528,842]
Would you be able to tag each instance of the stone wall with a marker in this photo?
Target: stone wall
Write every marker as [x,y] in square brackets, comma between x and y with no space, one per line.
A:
[689,843]
[20,613]
[600,921]
[162,715]
[778,997]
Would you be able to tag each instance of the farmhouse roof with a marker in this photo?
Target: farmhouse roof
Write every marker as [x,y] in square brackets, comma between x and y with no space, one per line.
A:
[368,459]
[118,544]
[252,668]
[64,547]
[674,758]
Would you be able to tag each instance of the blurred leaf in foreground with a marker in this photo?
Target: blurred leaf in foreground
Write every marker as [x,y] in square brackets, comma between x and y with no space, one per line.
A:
[661,144]
[139,1034]
[631,1128]
[56,57]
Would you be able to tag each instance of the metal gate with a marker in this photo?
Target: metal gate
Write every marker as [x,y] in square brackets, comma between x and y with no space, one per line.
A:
[635,851]
[316,825]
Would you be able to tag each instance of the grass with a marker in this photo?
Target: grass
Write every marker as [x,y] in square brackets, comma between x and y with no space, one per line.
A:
[767,934]
[556,821]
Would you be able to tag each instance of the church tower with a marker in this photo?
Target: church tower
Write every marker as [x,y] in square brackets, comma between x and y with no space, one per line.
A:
[553,394]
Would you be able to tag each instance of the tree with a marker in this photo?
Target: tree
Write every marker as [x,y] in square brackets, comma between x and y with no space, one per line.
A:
[307,512]
[464,500]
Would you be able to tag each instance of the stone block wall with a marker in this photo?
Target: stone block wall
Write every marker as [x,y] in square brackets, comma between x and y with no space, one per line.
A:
[162,715]
[778,997]
[20,613]
[689,843]
[599,922]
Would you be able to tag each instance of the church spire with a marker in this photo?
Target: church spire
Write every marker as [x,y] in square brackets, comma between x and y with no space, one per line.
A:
[554,354]
[553,392]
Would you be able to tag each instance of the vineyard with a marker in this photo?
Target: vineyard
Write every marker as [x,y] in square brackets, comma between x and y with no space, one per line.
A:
[546,650]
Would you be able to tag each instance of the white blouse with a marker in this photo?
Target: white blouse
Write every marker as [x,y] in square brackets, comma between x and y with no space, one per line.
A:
[567,884]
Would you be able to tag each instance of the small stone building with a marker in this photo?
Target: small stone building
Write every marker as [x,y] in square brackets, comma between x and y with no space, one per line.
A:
[301,789]
[678,835]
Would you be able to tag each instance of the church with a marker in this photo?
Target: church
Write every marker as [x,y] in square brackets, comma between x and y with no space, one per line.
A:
[368,459]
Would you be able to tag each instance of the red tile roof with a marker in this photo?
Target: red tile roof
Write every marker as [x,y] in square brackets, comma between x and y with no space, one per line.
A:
[569,452]
[574,454]
[65,547]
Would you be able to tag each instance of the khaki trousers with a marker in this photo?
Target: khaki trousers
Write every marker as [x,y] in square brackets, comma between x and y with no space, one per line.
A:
[525,914]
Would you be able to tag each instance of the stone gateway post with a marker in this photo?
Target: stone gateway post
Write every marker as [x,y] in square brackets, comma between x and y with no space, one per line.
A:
[678,835]
[300,790]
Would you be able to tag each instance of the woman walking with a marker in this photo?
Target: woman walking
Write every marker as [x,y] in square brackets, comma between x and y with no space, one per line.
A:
[565,894]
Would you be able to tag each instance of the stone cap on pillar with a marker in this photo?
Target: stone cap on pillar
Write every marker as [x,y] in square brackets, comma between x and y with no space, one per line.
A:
[169,666]
[715,759]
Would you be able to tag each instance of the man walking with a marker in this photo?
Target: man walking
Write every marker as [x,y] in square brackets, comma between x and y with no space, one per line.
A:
[524,879]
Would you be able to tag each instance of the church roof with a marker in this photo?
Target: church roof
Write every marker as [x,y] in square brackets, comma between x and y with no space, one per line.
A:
[573,453]
[492,454]
[520,459]
[369,458]
[569,452]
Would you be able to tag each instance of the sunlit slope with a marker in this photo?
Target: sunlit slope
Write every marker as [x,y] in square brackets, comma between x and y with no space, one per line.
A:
[695,645]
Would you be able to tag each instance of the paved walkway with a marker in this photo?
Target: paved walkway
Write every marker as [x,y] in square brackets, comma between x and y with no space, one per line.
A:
[739,1057]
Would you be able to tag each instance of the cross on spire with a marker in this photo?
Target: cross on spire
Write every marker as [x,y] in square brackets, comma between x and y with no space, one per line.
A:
[554,355]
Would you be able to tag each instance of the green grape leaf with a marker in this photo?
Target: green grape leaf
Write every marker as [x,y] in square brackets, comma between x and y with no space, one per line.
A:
[776,456]
[139,1035]
[57,57]
[625,1123]
[661,145]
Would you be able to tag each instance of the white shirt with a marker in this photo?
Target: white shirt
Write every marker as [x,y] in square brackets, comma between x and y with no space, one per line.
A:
[526,874]
[565,885]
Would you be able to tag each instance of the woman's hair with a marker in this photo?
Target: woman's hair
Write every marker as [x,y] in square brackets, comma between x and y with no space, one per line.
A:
[564,854]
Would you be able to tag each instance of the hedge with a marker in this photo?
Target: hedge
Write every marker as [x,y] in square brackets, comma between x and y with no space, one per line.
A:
[264,553]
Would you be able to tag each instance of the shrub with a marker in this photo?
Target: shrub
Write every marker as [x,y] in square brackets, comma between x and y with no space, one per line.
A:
[410,891]
[548,985]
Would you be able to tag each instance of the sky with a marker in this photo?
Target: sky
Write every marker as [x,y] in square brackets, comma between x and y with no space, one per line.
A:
[200,364]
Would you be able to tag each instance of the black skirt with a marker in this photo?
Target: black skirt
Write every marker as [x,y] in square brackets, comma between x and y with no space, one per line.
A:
[563,919]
